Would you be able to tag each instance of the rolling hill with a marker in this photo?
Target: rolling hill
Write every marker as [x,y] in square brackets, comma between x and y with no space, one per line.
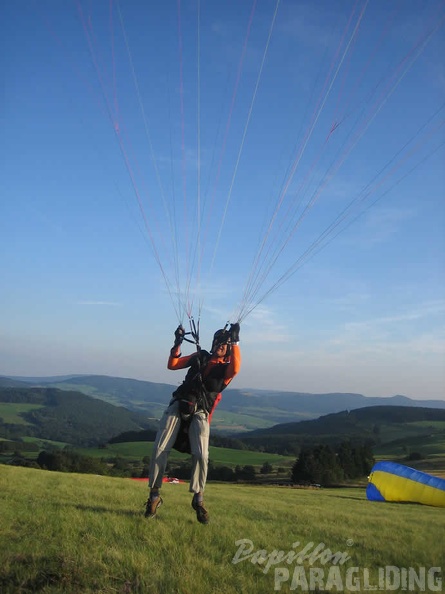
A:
[393,429]
[65,416]
[74,418]
[240,410]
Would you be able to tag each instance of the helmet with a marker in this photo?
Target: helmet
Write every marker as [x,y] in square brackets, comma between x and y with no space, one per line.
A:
[220,337]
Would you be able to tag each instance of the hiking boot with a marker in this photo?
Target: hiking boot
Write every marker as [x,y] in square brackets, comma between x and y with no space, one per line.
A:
[202,514]
[152,506]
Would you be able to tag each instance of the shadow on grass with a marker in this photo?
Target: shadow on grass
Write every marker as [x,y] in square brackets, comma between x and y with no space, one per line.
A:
[350,497]
[106,510]
[29,575]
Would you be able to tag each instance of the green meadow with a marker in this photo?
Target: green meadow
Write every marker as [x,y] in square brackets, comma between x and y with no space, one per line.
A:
[79,534]
[218,456]
[11,412]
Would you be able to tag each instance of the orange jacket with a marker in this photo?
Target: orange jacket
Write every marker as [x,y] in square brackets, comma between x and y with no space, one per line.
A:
[175,361]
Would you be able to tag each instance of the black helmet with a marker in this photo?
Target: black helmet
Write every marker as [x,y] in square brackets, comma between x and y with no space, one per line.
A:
[220,337]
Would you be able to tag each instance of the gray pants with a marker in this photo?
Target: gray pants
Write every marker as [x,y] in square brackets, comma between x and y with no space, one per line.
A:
[199,443]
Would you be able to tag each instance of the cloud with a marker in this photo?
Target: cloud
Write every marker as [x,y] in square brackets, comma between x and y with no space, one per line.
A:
[369,362]
[262,327]
[397,335]
[423,310]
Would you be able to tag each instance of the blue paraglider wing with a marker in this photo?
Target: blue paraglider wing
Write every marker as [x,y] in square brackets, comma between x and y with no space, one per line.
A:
[390,481]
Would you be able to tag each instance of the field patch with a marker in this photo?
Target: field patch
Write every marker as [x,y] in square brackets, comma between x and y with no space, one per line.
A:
[218,456]
[11,412]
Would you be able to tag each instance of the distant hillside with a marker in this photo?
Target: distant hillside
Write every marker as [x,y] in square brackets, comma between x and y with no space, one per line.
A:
[382,426]
[147,398]
[45,380]
[8,382]
[65,416]
[313,405]
[239,410]
[354,421]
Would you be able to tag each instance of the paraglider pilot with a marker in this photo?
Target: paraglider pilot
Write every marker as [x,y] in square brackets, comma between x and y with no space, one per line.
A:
[185,424]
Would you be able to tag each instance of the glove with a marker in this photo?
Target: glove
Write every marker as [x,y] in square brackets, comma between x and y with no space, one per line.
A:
[234,333]
[179,335]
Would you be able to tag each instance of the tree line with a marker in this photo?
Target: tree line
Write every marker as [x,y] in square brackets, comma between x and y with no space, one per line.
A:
[327,465]
[322,464]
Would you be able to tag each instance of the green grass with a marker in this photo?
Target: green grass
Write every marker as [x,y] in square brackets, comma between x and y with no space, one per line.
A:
[425,444]
[89,391]
[11,412]
[85,388]
[436,425]
[218,456]
[31,454]
[45,442]
[65,533]
[229,421]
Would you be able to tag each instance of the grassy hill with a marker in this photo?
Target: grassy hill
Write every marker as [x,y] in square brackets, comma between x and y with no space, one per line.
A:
[7,382]
[48,417]
[393,430]
[57,415]
[148,398]
[86,534]
[240,410]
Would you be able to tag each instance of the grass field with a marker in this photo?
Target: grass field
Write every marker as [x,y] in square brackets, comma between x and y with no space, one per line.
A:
[433,464]
[219,456]
[136,451]
[45,443]
[10,412]
[232,422]
[426,444]
[79,534]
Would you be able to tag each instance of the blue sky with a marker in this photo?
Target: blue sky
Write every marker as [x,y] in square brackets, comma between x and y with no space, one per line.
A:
[153,161]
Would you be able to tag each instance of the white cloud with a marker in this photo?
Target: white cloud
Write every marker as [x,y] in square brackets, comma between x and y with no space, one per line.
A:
[423,310]
[416,370]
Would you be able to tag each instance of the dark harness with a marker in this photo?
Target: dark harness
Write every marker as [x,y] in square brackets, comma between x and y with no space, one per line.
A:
[197,392]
